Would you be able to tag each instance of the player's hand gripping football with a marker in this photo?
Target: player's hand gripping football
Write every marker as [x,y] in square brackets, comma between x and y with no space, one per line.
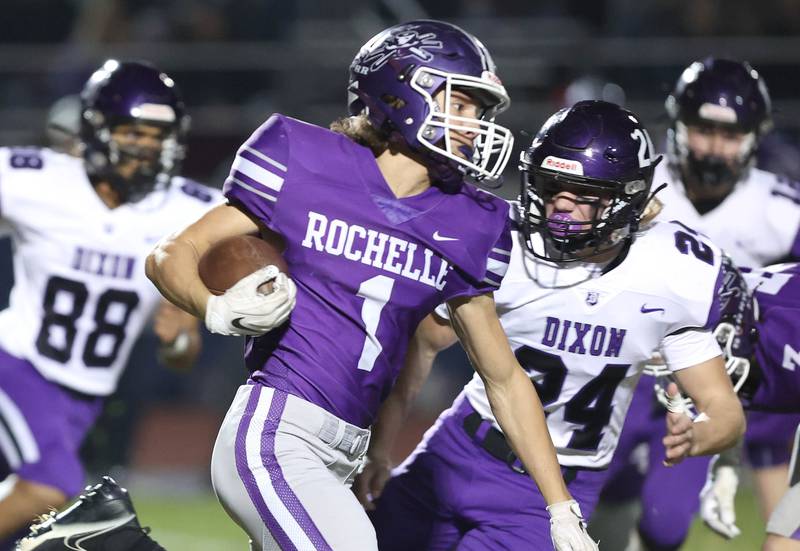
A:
[717,497]
[369,484]
[568,529]
[244,310]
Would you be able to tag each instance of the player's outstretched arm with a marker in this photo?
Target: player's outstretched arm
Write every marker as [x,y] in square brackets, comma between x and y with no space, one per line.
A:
[721,422]
[519,412]
[433,335]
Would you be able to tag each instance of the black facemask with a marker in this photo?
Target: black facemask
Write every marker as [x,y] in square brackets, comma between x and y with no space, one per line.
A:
[711,172]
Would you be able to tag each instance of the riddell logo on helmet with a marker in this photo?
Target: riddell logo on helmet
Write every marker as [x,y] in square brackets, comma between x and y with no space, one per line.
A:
[154,112]
[717,113]
[490,76]
[562,165]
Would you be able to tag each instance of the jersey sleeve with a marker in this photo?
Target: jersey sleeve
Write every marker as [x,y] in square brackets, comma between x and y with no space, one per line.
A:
[689,348]
[691,269]
[700,284]
[496,263]
[783,215]
[260,171]
[19,167]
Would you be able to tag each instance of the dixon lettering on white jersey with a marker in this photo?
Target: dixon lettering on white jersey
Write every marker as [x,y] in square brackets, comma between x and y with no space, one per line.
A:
[80,296]
[582,335]
[556,332]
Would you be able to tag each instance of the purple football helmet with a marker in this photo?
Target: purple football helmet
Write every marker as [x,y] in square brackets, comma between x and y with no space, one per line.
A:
[397,74]
[131,93]
[717,93]
[602,154]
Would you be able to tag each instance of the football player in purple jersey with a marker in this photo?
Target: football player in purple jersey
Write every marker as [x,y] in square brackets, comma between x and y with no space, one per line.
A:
[380,227]
[82,226]
[593,286]
[719,111]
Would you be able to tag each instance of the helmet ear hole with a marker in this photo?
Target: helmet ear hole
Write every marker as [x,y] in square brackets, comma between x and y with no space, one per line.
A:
[393,101]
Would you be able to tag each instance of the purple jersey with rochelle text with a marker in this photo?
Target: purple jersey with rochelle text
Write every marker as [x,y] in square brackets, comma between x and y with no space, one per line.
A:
[777,352]
[368,266]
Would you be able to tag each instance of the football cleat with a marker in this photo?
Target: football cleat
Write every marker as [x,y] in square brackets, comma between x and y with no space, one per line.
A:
[102,519]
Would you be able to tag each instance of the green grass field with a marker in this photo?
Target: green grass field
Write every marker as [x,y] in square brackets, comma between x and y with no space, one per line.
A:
[200,524]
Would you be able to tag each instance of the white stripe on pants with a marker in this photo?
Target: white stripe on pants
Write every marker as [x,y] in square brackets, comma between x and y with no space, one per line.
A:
[281,482]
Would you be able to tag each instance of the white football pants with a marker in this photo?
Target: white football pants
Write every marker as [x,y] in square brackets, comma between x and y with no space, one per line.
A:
[282,468]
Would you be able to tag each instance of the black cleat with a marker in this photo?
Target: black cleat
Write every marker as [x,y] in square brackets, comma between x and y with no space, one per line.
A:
[102,519]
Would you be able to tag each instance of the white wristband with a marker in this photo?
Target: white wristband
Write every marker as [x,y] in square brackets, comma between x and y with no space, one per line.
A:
[177,347]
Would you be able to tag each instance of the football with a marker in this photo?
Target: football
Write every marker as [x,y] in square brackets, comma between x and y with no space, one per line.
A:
[231,259]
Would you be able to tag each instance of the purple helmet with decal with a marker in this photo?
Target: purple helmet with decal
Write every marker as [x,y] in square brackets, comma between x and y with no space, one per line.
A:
[717,93]
[602,154]
[395,78]
[132,93]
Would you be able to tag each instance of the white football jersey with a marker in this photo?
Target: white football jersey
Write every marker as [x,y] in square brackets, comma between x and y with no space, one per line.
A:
[80,297]
[582,334]
[757,224]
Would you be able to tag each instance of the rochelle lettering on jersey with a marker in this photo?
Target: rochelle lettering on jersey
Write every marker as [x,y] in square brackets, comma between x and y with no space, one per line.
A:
[103,263]
[557,332]
[383,251]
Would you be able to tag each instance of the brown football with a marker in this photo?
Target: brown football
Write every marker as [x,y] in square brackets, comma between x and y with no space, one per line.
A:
[231,259]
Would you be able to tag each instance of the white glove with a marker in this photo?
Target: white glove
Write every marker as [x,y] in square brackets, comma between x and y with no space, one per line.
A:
[242,310]
[717,496]
[568,529]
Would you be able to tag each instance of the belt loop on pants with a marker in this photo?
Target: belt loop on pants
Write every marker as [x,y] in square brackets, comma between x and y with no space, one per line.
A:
[494,442]
[349,439]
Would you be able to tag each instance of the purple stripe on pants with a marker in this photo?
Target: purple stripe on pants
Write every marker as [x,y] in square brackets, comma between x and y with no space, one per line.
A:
[249,479]
[285,493]
[270,462]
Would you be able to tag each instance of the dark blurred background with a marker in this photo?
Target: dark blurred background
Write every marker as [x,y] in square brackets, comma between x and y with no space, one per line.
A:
[238,61]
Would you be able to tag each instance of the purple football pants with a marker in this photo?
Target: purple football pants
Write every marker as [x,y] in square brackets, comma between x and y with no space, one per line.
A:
[451,494]
[42,426]
[670,495]
[768,440]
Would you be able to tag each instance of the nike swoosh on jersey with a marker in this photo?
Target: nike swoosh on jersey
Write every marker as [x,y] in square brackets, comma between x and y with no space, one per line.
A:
[437,237]
[237,323]
[646,310]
